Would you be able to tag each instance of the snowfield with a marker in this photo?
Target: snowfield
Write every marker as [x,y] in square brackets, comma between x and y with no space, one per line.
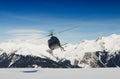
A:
[49,73]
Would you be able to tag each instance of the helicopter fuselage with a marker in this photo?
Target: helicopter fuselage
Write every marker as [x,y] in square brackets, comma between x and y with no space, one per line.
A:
[53,43]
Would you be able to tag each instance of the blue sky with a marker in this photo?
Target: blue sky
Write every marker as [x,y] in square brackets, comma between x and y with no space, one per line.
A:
[95,17]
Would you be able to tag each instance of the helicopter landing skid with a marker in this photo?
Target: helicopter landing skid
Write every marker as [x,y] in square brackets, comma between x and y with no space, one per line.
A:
[50,51]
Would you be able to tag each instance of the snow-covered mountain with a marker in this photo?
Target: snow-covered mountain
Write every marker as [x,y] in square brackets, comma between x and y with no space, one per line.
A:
[103,52]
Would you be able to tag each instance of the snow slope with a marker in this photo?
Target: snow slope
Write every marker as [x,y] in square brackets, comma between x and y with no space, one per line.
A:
[97,73]
[38,47]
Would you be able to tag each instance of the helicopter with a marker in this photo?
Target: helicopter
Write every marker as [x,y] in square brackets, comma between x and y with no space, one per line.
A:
[54,42]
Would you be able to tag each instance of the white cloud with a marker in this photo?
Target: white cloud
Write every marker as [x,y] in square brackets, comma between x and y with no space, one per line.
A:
[24,31]
[27,35]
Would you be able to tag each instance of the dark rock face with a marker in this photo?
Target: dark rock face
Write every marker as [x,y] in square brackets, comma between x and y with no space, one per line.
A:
[101,59]
[114,61]
[106,60]
[20,61]
[4,60]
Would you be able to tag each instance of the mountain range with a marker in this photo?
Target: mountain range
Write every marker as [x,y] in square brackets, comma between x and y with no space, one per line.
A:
[102,52]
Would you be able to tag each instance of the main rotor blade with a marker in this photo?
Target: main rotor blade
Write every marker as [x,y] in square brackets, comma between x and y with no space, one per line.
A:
[53,33]
[67,29]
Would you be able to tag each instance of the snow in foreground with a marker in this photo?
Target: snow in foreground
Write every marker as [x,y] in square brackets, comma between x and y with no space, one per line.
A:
[41,73]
